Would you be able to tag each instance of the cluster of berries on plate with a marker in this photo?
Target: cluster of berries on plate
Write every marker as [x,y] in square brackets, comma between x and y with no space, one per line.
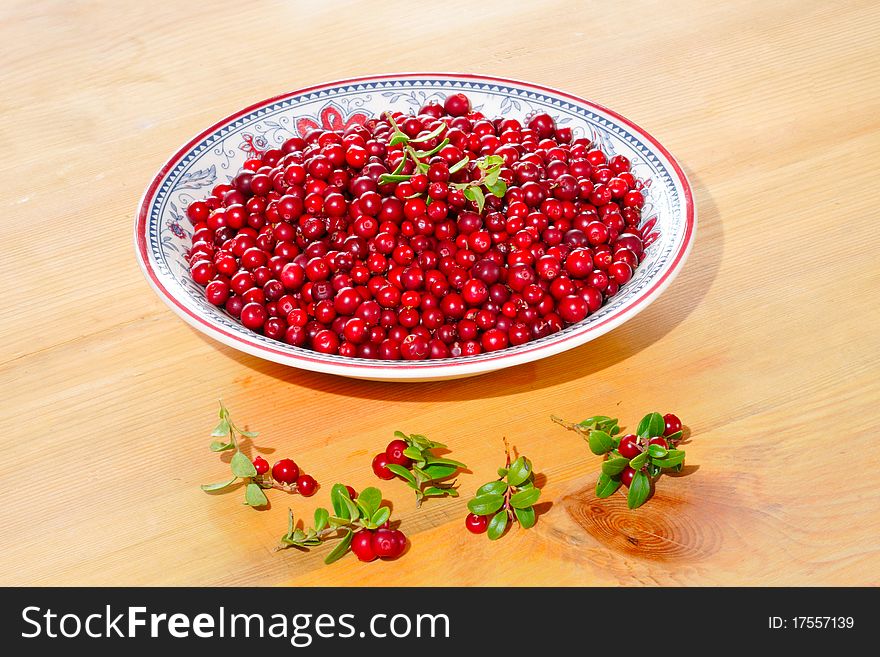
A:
[437,235]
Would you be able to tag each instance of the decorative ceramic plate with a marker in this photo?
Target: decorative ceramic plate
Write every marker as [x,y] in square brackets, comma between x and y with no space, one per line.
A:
[162,232]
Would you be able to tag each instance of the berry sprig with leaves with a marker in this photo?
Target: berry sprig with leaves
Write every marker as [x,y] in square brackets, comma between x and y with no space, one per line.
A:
[426,473]
[489,166]
[509,498]
[635,460]
[241,466]
[365,512]
[256,475]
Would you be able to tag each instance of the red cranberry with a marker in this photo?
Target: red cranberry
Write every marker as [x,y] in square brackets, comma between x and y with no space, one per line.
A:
[261,465]
[476,524]
[659,441]
[395,454]
[362,545]
[285,471]
[629,447]
[387,544]
[380,466]
[627,475]
[673,424]
[306,485]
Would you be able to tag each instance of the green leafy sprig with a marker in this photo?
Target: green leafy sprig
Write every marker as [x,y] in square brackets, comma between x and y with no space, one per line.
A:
[241,466]
[509,498]
[601,433]
[490,165]
[429,474]
[364,512]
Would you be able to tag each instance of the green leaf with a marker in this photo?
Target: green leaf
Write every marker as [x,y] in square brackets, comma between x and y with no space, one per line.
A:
[476,195]
[639,490]
[217,446]
[614,466]
[520,470]
[594,421]
[525,498]
[674,457]
[341,548]
[497,525]
[398,170]
[426,154]
[402,472]
[498,188]
[413,453]
[502,472]
[386,178]
[371,498]
[673,437]
[637,462]
[380,516]
[651,426]
[607,485]
[254,496]
[437,472]
[657,451]
[490,161]
[322,518]
[353,511]
[458,165]
[336,521]
[439,460]
[338,497]
[492,488]
[526,517]
[491,178]
[436,132]
[241,466]
[398,138]
[222,429]
[485,505]
[248,434]
[220,485]
[600,442]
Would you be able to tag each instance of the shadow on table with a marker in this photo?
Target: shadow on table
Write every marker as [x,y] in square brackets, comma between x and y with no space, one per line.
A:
[661,317]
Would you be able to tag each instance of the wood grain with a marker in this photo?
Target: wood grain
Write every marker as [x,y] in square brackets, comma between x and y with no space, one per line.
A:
[767,344]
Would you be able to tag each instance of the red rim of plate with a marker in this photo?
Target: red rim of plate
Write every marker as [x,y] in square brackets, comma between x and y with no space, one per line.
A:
[370,367]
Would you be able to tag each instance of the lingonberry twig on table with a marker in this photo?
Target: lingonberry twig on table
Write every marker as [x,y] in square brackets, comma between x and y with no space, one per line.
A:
[285,474]
[633,460]
[412,459]
[509,498]
[360,525]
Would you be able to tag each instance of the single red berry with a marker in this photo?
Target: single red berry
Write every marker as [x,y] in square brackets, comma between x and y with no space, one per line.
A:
[386,544]
[395,454]
[457,105]
[629,447]
[673,424]
[476,524]
[659,441]
[362,545]
[306,485]
[285,471]
[261,465]
[352,493]
[380,466]
[627,475]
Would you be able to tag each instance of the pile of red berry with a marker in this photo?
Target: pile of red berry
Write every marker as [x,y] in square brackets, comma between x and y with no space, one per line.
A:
[287,473]
[384,543]
[438,235]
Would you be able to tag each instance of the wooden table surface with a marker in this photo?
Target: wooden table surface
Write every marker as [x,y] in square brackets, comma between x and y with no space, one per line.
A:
[766,345]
